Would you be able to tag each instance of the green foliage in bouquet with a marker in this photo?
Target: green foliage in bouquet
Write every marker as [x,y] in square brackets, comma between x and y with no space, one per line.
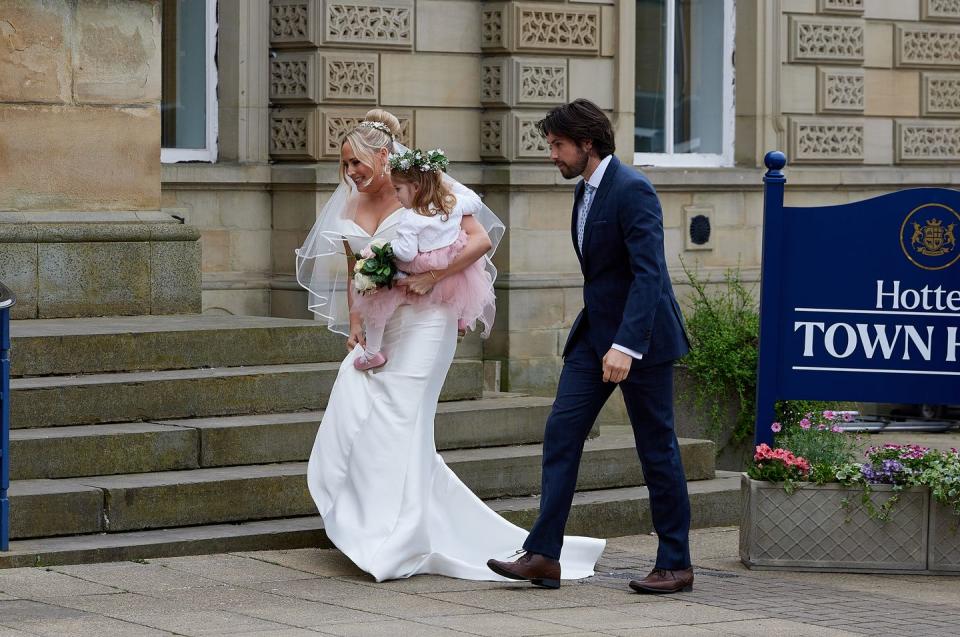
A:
[375,270]
[724,331]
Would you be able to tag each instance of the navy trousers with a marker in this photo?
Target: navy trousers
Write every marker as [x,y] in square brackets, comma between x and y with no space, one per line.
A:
[648,395]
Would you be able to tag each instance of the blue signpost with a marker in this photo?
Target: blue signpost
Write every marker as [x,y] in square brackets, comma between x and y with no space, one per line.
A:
[7,300]
[858,302]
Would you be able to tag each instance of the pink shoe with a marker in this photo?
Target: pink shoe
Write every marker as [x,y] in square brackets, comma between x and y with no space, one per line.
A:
[372,361]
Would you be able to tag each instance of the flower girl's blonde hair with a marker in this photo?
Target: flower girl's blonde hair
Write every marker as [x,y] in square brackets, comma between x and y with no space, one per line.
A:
[377,131]
[430,190]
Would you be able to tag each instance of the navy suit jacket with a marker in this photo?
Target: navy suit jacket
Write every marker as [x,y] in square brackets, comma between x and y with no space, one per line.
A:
[627,295]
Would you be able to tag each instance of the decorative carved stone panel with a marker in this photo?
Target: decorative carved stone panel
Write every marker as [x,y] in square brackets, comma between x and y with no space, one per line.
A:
[940,94]
[494,135]
[826,141]
[494,27]
[826,40]
[927,46]
[293,23]
[523,81]
[293,134]
[369,23]
[540,81]
[928,142]
[850,7]
[530,144]
[561,28]
[493,81]
[840,90]
[945,10]
[350,78]
[292,78]
[337,123]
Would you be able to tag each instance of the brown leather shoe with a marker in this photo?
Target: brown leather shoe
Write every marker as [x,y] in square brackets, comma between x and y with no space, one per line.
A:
[661,581]
[537,569]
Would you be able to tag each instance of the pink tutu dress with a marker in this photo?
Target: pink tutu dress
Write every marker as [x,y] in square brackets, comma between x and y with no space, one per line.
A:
[426,243]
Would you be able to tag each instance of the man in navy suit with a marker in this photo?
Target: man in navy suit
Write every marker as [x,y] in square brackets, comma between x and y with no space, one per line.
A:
[629,334]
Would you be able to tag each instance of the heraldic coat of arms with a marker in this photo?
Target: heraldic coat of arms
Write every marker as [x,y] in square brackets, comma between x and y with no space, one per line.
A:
[933,239]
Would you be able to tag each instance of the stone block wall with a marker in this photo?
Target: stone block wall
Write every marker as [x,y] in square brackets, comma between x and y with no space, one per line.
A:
[81,232]
[79,88]
[471,76]
[871,82]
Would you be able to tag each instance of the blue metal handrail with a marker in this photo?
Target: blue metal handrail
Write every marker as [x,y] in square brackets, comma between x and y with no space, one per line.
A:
[7,300]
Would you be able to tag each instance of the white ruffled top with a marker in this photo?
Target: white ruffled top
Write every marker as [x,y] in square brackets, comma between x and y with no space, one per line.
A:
[419,233]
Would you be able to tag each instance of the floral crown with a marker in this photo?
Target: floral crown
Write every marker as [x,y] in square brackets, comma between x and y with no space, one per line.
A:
[380,126]
[432,160]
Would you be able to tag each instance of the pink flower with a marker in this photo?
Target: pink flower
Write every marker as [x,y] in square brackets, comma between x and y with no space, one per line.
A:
[836,429]
[775,427]
[848,418]
[822,427]
[829,415]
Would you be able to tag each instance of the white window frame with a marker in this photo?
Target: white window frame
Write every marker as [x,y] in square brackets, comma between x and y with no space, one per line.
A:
[696,160]
[209,153]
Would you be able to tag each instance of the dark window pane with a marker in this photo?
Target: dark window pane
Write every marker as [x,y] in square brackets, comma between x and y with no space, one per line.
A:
[651,76]
[183,106]
[698,77]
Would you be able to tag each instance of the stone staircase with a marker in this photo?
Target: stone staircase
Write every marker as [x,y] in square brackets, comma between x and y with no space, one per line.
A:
[154,436]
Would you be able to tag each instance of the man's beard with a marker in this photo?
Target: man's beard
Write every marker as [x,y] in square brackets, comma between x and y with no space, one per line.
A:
[568,171]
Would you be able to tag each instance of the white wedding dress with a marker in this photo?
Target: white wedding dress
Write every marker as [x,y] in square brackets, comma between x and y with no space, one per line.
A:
[388,500]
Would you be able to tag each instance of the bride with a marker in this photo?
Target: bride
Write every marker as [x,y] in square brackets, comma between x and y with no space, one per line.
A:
[387,499]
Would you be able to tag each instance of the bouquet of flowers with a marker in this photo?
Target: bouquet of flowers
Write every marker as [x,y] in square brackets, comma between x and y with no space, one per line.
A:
[375,268]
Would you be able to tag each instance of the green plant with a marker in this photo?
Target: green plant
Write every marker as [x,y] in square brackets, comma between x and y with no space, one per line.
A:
[942,475]
[818,437]
[724,328]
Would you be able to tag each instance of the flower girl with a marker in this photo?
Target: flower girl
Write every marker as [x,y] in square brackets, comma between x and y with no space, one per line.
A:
[429,238]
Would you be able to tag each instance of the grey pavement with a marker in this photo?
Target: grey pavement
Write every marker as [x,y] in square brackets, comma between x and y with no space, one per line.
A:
[319,592]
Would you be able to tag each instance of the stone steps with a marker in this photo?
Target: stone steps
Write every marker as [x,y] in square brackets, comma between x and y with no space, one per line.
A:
[52,401]
[606,513]
[47,347]
[140,437]
[168,445]
[129,502]
[50,347]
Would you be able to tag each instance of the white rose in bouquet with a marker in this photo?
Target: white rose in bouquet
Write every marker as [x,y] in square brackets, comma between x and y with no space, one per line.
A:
[363,284]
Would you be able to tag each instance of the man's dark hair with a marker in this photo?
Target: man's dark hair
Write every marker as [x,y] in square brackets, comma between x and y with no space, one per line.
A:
[582,121]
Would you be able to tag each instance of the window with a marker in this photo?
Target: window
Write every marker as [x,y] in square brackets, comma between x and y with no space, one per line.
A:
[684,85]
[188,108]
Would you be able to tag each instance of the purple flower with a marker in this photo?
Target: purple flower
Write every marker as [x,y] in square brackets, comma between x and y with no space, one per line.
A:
[805,423]
[775,427]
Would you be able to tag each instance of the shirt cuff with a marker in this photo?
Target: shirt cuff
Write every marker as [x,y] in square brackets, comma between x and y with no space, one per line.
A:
[628,352]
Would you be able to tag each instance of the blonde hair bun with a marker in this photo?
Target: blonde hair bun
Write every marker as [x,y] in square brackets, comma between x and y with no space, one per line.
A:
[386,118]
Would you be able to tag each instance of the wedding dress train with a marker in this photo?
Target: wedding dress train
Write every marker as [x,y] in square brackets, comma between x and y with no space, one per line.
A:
[387,498]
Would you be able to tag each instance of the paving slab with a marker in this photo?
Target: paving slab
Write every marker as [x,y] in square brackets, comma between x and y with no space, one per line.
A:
[316,591]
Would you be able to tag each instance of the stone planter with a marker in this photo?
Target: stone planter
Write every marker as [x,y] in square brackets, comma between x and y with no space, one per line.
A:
[810,529]
[944,539]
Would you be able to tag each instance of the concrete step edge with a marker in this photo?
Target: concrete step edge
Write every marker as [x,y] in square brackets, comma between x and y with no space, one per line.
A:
[307,532]
[602,443]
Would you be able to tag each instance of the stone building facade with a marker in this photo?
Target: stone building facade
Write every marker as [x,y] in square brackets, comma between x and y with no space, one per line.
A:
[863,95]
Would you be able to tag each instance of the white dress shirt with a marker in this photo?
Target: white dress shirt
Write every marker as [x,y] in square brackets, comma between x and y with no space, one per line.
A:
[594,181]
